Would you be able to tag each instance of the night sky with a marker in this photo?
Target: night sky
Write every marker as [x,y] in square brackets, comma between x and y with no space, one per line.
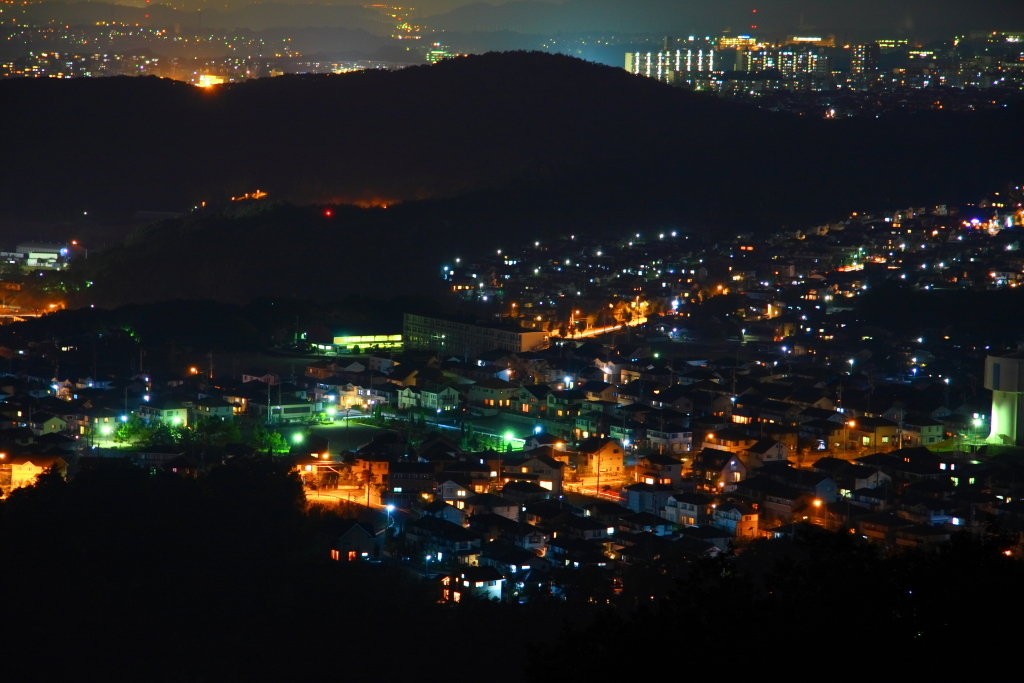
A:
[897,18]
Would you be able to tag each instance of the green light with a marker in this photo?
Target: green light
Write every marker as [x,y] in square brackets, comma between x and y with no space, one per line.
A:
[105,429]
[509,436]
[297,438]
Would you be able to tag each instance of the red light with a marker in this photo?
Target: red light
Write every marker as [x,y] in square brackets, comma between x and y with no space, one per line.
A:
[327,213]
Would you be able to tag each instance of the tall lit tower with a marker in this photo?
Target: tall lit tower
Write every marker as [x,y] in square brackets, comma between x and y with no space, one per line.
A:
[864,63]
[1004,375]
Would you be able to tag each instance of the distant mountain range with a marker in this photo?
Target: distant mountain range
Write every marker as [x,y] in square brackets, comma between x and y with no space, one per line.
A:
[256,17]
[847,19]
[480,151]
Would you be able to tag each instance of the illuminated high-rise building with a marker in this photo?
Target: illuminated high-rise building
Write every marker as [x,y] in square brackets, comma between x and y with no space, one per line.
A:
[864,62]
[691,57]
[792,62]
[800,61]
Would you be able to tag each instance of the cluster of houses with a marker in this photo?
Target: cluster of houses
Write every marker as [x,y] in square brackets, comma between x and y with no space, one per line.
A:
[46,422]
[666,405]
[787,287]
[499,524]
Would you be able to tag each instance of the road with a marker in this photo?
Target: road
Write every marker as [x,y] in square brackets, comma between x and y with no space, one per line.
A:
[594,331]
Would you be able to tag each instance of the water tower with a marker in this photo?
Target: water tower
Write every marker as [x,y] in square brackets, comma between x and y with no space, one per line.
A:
[1004,375]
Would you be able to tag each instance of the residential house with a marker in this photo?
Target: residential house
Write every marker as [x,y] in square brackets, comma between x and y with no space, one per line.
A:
[454,492]
[439,537]
[22,470]
[669,437]
[739,520]
[438,397]
[260,375]
[44,423]
[600,391]
[493,393]
[409,481]
[473,583]
[881,527]
[165,410]
[520,534]
[645,522]
[658,469]
[524,492]
[212,407]
[445,511]
[729,440]
[531,399]
[585,528]
[408,397]
[777,503]
[540,469]
[489,503]
[875,433]
[565,403]
[602,456]
[647,497]
[717,470]
[716,536]
[352,540]
[922,431]
[766,450]
[687,509]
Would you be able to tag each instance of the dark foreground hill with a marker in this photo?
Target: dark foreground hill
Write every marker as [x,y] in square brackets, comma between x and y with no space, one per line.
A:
[485,122]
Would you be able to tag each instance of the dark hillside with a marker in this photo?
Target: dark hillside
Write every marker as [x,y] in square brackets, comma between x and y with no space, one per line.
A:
[531,121]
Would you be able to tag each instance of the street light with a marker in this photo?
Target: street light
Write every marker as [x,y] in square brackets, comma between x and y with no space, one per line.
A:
[297,437]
